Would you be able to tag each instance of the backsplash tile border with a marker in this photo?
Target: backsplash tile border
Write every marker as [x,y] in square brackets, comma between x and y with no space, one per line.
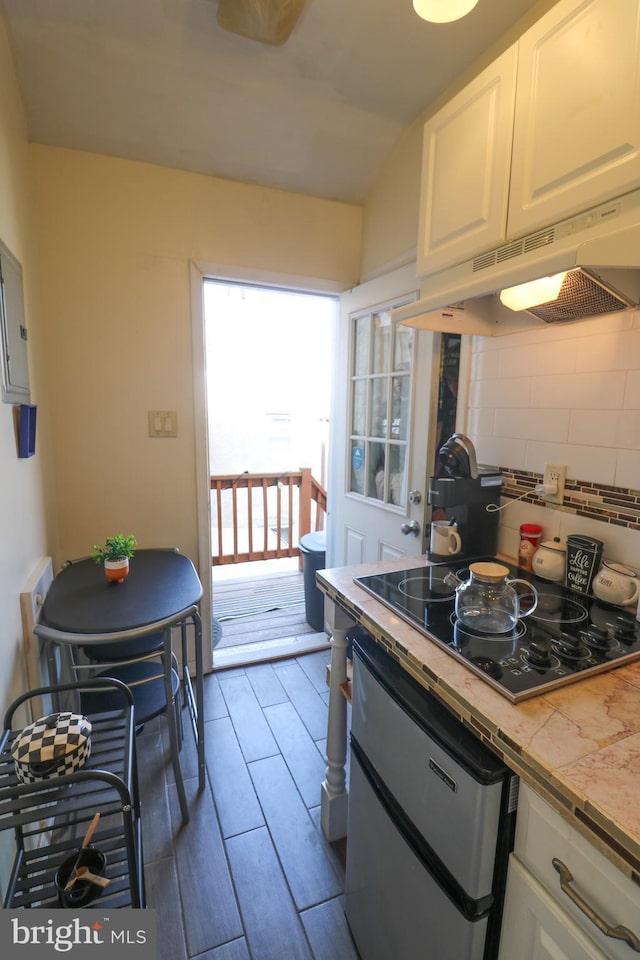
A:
[619,506]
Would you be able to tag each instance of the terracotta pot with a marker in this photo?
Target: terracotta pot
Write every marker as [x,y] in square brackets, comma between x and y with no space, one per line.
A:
[116,570]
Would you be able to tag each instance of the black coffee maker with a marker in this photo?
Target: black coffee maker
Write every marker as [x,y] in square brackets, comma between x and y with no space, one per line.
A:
[461,496]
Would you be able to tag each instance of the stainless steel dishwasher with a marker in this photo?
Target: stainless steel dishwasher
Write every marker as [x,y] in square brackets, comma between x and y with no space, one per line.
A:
[431,822]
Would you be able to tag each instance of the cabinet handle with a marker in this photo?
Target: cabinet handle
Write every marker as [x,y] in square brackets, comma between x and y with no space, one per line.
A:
[618,933]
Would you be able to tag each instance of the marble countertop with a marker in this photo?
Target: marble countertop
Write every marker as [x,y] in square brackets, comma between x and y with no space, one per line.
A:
[578,746]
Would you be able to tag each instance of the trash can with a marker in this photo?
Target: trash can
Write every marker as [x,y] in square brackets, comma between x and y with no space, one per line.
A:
[313,550]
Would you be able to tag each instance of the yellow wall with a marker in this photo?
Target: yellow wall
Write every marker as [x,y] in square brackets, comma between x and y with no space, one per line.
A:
[115,239]
[23,535]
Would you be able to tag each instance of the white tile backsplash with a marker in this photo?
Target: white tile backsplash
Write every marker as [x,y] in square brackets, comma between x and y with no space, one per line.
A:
[533,424]
[498,452]
[500,392]
[596,464]
[559,358]
[594,427]
[564,394]
[484,365]
[606,428]
[480,421]
[627,472]
[592,391]
[632,391]
[618,350]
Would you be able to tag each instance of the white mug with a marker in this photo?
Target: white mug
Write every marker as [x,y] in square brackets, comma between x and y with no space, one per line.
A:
[616,584]
[445,539]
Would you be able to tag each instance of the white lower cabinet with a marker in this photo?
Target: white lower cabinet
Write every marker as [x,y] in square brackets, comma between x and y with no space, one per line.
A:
[535,927]
[564,899]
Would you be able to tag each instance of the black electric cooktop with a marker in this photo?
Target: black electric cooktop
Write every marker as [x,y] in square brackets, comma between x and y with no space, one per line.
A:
[567,637]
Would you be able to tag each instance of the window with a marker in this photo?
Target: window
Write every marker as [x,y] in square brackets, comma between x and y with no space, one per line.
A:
[380,382]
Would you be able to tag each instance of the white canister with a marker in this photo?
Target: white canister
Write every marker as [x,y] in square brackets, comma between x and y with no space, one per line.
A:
[549,560]
[616,584]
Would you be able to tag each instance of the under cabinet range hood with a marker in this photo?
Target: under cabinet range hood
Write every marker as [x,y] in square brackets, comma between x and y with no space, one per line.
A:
[598,252]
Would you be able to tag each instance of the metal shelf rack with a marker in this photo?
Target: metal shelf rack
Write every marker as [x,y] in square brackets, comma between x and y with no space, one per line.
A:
[49,818]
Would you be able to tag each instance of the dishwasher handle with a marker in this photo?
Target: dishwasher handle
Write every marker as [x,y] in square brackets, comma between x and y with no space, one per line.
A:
[617,933]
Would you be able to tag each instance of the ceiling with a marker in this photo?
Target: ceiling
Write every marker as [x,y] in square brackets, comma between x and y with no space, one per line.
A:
[160,81]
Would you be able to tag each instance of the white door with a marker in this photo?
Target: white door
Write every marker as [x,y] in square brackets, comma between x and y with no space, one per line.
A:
[383,426]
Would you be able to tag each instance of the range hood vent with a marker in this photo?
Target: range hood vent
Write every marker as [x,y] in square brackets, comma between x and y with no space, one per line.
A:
[599,249]
[581,296]
[517,248]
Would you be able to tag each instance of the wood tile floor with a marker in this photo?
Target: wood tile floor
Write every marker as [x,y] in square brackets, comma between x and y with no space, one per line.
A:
[251,877]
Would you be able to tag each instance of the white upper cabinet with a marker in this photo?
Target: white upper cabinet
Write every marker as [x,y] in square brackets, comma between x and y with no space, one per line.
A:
[576,137]
[465,169]
[500,162]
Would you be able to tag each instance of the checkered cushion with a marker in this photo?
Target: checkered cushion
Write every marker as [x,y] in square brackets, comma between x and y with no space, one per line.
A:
[52,747]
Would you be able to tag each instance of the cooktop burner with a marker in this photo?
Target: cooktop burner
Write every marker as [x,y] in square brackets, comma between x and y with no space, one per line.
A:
[567,637]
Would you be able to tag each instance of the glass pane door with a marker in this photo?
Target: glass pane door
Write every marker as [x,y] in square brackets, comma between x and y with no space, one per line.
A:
[381,374]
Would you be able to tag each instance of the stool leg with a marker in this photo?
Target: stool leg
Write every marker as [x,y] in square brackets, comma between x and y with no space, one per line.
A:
[173,730]
[175,760]
[177,709]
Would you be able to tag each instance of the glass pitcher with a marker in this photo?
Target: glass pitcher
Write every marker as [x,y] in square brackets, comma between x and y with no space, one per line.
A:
[487,601]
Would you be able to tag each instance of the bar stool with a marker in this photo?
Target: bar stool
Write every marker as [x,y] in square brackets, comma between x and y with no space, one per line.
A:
[134,661]
[140,662]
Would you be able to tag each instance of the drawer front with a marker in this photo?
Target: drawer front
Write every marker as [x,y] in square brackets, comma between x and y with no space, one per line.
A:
[542,836]
[536,928]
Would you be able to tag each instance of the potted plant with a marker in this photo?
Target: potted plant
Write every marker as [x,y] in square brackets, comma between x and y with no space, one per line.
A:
[115,555]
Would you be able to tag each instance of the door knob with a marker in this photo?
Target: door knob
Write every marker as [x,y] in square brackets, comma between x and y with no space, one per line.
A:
[413,528]
[415,496]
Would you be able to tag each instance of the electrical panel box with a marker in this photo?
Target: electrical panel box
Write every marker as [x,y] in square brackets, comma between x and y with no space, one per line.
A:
[15,365]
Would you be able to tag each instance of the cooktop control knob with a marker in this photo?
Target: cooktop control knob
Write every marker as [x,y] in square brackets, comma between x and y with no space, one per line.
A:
[624,630]
[538,654]
[597,637]
[569,646]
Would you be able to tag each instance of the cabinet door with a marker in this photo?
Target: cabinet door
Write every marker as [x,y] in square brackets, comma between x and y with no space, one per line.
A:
[535,927]
[576,137]
[543,836]
[465,169]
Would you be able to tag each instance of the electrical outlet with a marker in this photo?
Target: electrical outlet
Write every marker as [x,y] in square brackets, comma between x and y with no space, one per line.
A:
[554,473]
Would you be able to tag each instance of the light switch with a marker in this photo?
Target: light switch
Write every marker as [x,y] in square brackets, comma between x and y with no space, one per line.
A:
[163,423]
[170,423]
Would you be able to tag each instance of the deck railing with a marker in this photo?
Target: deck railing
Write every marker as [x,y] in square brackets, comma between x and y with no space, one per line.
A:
[262,516]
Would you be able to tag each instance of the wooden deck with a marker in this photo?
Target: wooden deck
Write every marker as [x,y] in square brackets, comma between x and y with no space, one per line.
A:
[261,618]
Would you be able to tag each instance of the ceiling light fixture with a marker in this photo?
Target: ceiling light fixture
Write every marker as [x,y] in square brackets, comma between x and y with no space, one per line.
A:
[443,11]
[532,294]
